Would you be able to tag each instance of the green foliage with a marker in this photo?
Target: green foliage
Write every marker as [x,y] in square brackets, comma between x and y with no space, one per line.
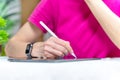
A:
[5,12]
[3,33]
[7,23]
[3,36]
[2,22]
[3,52]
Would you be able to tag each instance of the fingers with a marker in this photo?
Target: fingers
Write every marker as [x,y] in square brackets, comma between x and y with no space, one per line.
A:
[48,55]
[63,43]
[52,48]
[57,47]
[53,51]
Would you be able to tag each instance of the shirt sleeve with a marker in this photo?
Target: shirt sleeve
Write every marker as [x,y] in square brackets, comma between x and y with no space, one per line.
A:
[42,12]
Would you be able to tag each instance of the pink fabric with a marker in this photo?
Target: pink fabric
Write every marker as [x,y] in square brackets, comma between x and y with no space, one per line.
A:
[72,20]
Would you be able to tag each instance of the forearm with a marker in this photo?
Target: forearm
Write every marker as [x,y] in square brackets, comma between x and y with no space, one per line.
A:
[109,21]
[15,48]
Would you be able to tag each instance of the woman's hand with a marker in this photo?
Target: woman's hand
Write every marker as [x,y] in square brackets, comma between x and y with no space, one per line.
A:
[51,49]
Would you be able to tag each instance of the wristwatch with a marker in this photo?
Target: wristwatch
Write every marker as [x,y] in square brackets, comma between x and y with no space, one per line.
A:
[28,50]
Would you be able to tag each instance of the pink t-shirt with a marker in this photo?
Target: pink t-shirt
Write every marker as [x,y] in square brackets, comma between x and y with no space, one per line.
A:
[71,20]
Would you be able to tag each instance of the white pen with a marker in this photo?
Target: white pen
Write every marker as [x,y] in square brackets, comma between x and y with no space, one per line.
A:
[53,34]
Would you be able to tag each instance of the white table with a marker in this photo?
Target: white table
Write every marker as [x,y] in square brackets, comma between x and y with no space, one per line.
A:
[107,69]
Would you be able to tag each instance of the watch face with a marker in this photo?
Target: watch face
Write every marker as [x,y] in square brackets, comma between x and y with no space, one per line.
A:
[27,51]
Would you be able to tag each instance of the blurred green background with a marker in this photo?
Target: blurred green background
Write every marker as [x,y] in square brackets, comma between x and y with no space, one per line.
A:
[10,14]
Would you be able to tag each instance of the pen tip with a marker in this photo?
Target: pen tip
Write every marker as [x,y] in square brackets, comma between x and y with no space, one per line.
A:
[73,54]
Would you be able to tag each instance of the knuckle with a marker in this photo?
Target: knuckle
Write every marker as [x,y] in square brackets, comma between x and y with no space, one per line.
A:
[64,44]
[51,38]
[67,42]
[45,48]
